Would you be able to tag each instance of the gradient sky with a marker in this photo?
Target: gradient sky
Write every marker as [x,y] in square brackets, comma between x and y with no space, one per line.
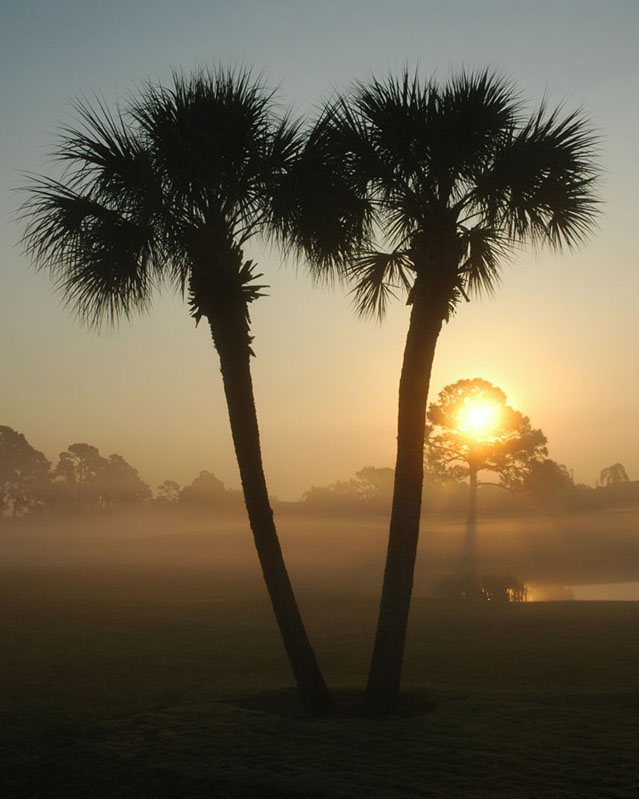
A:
[561,337]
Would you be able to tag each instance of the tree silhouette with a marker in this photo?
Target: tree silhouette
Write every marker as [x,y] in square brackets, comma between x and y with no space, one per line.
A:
[472,429]
[78,475]
[546,481]
[613,475]
[121,484]
[24,474]
[425,189]
[207,489]
[168,492]
[371,487]
[85,479]
[166,192]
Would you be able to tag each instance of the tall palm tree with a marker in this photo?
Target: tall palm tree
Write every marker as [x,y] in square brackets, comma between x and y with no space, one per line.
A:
[425,189]
[166,193]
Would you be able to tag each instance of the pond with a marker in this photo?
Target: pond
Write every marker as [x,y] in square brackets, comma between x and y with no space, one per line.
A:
[627,592]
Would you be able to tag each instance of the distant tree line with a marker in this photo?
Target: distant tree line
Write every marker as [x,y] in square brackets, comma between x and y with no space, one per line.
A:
[371,488]
[543,483]
[471,430]
[83,480]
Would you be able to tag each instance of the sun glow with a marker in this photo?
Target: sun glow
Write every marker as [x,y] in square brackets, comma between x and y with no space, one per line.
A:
[478,418]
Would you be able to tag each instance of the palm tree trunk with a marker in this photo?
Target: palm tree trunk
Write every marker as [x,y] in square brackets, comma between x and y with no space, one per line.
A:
[382,690]
[230,336]
[470,544]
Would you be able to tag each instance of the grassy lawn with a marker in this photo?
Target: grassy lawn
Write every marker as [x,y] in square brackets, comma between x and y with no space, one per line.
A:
[163,682]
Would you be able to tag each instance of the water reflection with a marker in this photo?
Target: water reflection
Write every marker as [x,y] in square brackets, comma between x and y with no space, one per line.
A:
[593,592]
[627,592]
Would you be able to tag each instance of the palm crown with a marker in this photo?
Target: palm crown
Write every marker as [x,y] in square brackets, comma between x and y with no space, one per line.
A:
[449,178]
[166,191]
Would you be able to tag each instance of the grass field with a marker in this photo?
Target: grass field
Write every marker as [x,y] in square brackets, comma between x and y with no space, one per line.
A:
[121,679]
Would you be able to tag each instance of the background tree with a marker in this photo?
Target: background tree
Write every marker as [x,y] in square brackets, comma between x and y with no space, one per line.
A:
[121,484]
[472,429]
[613,475]
[426,189]
[85,479]
[376,483]
[168,492]
[78,476]
[371,487]
[546,481]
[166,192]
[24,474]
[207,490]
[341,495]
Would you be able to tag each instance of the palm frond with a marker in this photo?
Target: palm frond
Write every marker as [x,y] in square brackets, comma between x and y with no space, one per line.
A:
[320,208]
[485,248]
[394,116]
[376,277]
[102,262]
[475,114]
[542,184]
[211,139]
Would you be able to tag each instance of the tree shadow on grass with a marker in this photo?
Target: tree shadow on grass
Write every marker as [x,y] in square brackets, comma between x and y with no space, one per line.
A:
[349,703]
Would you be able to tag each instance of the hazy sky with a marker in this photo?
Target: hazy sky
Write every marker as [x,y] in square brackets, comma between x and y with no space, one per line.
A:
[561,336]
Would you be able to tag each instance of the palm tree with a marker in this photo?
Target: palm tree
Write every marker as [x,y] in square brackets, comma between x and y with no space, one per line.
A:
[450,179]
[166,193]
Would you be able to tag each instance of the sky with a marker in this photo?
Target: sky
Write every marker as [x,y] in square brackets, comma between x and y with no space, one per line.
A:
[560,337]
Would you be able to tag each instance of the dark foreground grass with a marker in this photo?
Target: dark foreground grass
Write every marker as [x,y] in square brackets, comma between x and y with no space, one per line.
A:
[502,744]
[162,684]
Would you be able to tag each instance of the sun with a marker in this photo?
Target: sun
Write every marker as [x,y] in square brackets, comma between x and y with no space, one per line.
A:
[478,418]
